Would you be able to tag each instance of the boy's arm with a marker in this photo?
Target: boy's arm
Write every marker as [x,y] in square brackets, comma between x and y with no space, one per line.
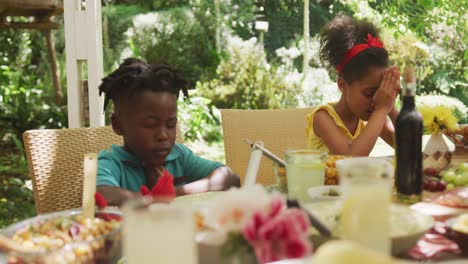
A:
[222,178]
[116,196]
[108,178]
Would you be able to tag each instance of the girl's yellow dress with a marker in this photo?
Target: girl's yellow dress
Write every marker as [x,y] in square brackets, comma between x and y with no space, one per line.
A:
[314,141]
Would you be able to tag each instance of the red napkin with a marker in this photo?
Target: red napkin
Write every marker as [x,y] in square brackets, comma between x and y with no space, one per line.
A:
[164,187]
[101,202]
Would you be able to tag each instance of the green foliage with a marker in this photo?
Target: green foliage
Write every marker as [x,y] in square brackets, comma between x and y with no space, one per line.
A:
[286,20]
[236,246]
[236,16]
[16,200]
[246,80]
[26,102]
[443,25]
[23,107]
[175,37]
[199,121]
[116,20]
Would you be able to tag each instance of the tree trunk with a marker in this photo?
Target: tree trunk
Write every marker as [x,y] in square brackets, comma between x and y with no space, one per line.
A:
[54,67]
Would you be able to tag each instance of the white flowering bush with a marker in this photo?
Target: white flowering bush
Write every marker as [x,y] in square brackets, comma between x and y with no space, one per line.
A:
[245,79]
[315,87]
[198,119]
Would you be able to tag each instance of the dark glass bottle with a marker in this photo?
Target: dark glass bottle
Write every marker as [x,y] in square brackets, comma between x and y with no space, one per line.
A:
[408,137]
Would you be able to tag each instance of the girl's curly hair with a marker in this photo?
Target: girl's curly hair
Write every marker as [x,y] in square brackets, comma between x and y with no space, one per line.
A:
[340,35]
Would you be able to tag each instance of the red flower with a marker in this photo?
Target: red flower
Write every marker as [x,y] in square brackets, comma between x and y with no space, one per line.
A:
[279,233]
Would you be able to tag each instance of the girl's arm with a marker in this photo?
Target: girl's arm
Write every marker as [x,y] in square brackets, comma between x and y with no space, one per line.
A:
[388,130]
[338,144]
[220,179]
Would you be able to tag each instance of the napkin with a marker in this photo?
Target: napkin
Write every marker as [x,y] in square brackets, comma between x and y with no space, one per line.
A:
[434,245]
[164,187]
[101,202]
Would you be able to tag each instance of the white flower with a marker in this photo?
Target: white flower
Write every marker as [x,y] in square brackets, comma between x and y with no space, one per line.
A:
[229,211]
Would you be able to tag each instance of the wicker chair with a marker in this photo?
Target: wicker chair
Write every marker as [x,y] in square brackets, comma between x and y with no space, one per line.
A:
[278,129]
[55,158]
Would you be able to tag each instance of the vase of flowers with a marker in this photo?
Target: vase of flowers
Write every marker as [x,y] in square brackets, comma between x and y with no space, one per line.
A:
[258,227]
[437,121]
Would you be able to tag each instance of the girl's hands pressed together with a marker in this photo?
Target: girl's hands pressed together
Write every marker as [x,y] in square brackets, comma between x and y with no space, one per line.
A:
[384,97]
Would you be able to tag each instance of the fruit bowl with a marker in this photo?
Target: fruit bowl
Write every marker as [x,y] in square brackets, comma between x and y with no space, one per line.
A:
[65,237]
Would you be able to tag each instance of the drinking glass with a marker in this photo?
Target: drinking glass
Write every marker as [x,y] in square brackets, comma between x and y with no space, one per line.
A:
[366,195]
[158,233]
[280,175]
[304,169]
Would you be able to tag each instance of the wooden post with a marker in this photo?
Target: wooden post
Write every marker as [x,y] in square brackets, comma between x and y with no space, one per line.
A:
[305,63]
[83,43]
[218,26]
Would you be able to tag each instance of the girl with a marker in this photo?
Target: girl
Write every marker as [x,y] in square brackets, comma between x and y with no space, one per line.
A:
[368,87]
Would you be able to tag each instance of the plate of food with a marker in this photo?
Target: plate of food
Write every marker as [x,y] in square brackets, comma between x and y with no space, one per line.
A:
[407,226]
[324,193]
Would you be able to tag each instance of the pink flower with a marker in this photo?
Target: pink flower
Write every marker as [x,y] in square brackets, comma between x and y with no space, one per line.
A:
[296,248]
[279,233]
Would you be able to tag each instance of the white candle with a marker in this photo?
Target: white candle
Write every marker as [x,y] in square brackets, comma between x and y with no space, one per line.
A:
[158,234]
[253,166]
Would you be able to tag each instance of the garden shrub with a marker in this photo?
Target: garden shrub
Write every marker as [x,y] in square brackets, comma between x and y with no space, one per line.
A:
[199,120]
[175,37]
[246,79]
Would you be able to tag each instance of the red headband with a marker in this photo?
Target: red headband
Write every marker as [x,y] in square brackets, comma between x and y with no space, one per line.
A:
[371,42]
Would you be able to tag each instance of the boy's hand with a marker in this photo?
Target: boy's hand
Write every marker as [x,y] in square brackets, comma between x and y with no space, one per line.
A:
[385,96]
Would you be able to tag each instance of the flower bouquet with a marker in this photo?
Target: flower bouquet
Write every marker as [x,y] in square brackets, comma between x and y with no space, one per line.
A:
[437,120]
[258,226]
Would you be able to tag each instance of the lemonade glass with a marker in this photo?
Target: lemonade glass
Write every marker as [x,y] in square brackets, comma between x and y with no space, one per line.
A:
[304,168]
[366,194]
[147,228]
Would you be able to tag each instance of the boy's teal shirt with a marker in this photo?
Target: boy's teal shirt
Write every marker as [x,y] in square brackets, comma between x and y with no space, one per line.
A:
[117,167]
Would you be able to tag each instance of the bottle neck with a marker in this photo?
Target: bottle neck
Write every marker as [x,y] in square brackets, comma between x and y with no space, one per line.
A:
[408,102]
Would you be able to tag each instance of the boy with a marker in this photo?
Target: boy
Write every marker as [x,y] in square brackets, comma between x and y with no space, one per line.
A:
[145,114]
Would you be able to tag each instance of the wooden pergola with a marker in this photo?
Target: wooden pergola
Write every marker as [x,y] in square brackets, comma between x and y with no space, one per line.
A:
[83,45]
[38,15]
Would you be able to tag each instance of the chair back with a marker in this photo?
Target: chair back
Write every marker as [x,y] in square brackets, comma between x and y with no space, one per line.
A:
[56,159]
[278,129]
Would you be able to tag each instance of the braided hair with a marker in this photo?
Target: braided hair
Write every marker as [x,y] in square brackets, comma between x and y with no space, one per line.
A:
[135,76]
[340,35]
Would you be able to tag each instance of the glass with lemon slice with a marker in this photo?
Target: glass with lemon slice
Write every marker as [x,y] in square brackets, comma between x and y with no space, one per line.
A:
[305,168]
